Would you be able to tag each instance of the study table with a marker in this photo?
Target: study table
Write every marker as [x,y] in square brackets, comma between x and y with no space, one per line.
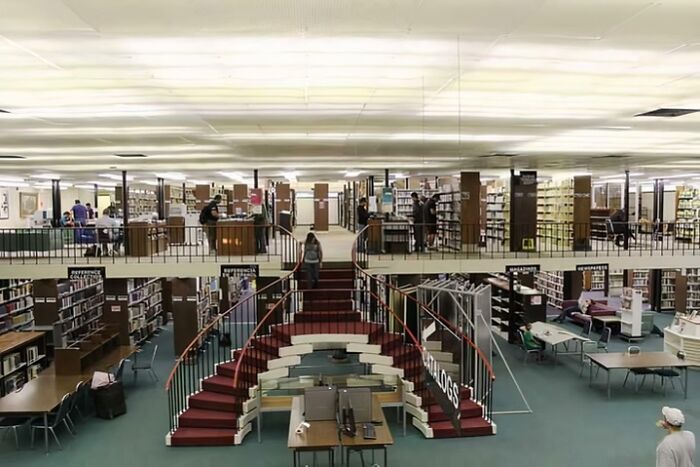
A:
[43,394]
[627,361]
[323,436]
[555,336]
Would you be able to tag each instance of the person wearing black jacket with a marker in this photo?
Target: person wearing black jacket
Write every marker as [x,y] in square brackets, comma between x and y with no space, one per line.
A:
[362,219]
[208,217]
[417,215]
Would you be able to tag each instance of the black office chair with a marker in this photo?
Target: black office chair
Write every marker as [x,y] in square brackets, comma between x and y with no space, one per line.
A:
[13,424]
[55,419]
[604,339]
[667,374]
[637,372]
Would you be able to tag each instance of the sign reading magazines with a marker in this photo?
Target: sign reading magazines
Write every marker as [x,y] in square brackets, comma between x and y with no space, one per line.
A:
[592,267]
[86,272]
[240,270]
[524,268]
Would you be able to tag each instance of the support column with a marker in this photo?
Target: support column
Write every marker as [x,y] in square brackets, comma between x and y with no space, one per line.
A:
[255,178]
[184,195]
[56,202]
[370,186]
[96,199]
[386,178]
[125,211]
[160,196]
[626,201]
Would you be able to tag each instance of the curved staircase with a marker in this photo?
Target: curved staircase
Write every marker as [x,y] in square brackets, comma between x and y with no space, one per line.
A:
[220,410]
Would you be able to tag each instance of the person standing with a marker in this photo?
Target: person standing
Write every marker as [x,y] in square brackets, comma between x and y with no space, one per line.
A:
[430,219]
[418,226]
[80,213]
[208,217]
[677,449]
[260,222]
[313,258]
[362,220]
[90,211]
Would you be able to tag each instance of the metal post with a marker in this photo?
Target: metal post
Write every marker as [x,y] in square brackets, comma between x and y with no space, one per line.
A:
[56,202]
[511,308]
[255,178]
[160,197]
[627,209]
[125,211]
[386,178]
[96,197]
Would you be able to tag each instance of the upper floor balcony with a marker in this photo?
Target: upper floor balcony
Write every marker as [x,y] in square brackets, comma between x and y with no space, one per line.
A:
[396,247]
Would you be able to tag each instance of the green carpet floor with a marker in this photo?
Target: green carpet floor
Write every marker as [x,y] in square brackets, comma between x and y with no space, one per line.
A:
[572,425]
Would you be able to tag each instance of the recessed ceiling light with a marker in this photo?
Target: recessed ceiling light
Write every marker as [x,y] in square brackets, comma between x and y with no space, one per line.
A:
[131,156]
[667,112]
[11,156]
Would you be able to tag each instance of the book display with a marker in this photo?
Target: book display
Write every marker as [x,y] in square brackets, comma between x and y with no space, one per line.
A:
[72,307]
[22,357]
[631,313]
[683,335]
[16,304]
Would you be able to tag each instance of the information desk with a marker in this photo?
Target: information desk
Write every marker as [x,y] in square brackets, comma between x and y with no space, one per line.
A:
[625,361]
[235,237]
[43,394]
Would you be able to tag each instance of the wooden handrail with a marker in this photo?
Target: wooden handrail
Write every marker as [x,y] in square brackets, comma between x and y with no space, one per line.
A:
[423,306]
[208,327]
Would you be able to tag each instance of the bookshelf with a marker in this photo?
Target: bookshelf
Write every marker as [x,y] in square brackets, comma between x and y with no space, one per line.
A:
[403,204]
[598,218]
[205,193]
[529,304]
[177,194]
[22,357]
[449,209]
[135,308]
[693,288]
[615,282]
[496,219]
[195,302]
[668,289]
[631,313]
[16,304]
[552,285]
[72,307]
[555,213]
[687,211]
[638,279]
[143,200]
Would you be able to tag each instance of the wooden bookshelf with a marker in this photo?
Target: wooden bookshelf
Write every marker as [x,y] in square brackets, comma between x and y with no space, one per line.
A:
[559,286]
[496,220]
[16,304]
[523,211]
[529,304]
[22,357]
[134,307]
[80,356]
[598,218]
[403,203]
[687,213]
[195,302]
[147,238]
[72,307]
[449,209]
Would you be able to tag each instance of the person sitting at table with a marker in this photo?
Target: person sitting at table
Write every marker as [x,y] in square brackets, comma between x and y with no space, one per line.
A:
[531,342]
[580,307]
[67,220]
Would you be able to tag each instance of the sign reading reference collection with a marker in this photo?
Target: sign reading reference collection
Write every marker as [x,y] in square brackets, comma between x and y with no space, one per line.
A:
[75,273]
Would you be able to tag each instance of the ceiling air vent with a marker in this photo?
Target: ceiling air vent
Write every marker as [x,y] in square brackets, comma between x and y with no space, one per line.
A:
[498,155]
[668,113]
[611,156]
[130,156]
[11,156]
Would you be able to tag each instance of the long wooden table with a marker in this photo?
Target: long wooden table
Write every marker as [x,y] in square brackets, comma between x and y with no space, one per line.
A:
[43,394]
[626,361]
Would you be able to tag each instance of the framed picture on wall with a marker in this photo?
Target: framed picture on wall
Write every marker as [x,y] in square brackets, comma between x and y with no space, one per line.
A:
[28,204]
[4,204]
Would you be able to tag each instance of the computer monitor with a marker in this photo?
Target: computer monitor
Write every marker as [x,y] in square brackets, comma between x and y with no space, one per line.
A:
[320,403]
[360,400]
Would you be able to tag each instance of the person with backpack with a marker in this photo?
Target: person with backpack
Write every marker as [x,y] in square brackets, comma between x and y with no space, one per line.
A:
[313,257]
[208,217]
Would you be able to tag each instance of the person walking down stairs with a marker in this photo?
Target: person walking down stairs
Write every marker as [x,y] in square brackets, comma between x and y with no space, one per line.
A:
[313,257]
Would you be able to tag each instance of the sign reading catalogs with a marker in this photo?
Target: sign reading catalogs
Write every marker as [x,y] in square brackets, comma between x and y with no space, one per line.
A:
[592,267]
[524,268]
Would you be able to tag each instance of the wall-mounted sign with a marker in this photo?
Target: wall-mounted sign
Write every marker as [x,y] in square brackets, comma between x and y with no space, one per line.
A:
[86,272]
[240,270]
[524,268]
[592,267]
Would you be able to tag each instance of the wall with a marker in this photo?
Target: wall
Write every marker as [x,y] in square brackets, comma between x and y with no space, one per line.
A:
[305,208]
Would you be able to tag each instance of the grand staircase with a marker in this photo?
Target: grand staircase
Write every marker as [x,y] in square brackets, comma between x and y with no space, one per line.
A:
[220,412]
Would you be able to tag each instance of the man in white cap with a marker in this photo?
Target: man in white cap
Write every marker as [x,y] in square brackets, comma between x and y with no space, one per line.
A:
[677,449]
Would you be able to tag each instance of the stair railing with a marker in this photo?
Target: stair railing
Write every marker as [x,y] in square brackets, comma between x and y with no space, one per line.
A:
[214,343]
[476,370]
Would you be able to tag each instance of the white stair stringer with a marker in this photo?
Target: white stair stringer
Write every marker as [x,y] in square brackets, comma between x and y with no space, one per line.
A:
[284,362]
[241,434]
[300,349]
[376,359]
[423,427]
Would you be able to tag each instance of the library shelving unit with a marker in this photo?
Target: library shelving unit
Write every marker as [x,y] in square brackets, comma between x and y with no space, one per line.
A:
[449,210]
[638,279]
[496,220]
[555,206]
[147,238]
[22,357]
[668,289]
[687,211]
[631,314]
[615,282]
[16,304]
[143,200]
[552,285]
[529,304]
[204,193]
[135,308]
[403,204]
[595,281]
[73,308]
[684,336]
[195,301]
[693,289]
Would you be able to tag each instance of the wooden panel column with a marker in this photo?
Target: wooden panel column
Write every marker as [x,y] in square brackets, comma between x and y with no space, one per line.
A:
[582,213]
[470,216]
[184,306]
[523,211]
[321,207]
